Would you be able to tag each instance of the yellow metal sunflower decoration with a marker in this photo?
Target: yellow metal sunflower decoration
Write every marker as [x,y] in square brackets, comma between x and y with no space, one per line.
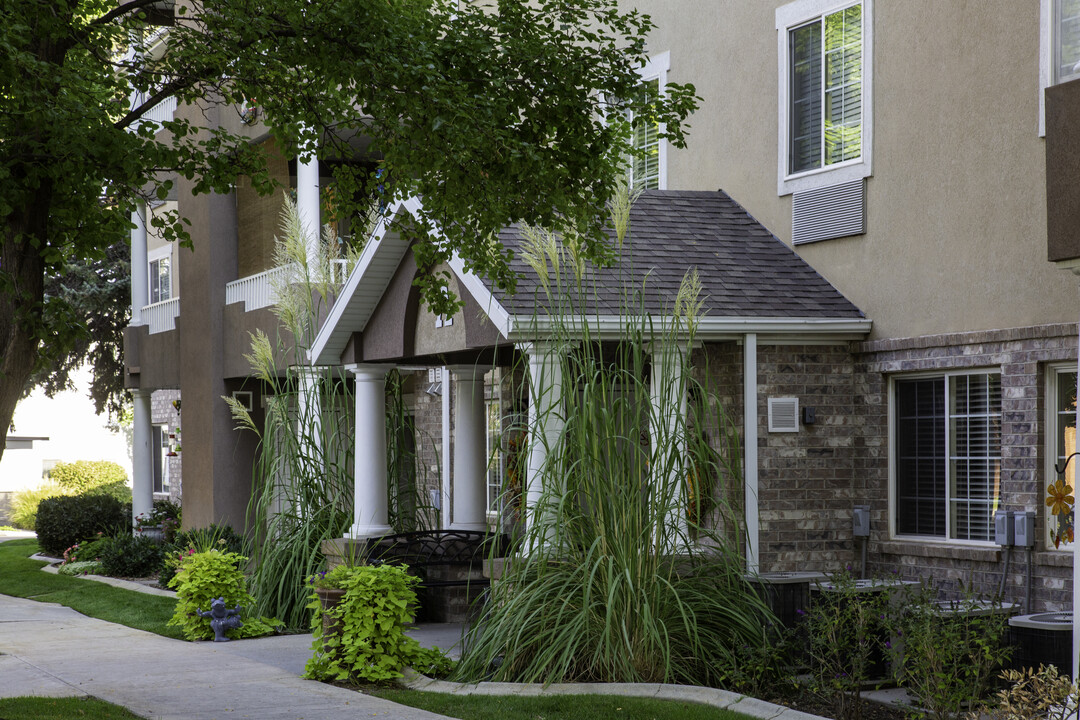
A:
[1060,500]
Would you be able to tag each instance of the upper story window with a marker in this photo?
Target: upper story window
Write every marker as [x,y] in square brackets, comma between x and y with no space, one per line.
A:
[1059,47]
[648,167]
[947,455]
[160,277]
[824,50]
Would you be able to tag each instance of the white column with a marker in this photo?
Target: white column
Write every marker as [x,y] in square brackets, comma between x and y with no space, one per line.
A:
[546,421]
[445,506]
[309,420]
[370,513]
[750,449]
[470,450]
[142,456]
[140,285]
[667,421]
[307,203]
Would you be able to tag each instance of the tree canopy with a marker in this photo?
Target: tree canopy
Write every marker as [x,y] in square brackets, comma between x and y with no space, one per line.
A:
[492,112]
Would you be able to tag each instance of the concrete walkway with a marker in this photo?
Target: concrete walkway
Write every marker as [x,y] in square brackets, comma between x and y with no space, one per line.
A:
[50,650]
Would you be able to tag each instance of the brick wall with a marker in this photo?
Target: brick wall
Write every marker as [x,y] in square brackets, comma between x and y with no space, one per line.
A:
[1021,356]
[162,412]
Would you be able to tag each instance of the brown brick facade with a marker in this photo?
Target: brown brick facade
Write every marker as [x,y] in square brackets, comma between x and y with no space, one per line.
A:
[809,481]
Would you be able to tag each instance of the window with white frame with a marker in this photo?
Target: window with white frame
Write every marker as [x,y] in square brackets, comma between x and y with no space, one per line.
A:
[648,165]
[495,455]
[947,455]
[160,275]
[1059,47]
[825,128]
[1060,443]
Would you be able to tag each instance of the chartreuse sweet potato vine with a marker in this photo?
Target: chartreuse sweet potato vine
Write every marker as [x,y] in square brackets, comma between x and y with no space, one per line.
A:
[204,576]
[367,642]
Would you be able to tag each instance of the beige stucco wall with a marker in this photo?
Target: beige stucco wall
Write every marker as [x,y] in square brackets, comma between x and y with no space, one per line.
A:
[956,218]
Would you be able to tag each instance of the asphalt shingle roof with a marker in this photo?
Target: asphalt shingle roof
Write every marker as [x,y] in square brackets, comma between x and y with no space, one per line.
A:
[744,269]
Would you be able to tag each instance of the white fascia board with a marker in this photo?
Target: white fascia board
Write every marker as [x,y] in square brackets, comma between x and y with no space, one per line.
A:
[496,313]
[769,330]
[332,338]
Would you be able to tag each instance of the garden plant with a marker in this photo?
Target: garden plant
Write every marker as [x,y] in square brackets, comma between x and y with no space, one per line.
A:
[303,478]
[623,579]
[210,574]
[361,636]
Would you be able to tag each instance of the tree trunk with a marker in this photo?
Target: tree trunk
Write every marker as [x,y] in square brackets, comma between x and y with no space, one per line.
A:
[22,283]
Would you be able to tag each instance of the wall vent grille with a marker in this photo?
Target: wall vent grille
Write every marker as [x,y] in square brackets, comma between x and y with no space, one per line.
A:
[828,212]
[783,415]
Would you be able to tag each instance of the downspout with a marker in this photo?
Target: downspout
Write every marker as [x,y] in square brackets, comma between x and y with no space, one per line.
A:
[1076,559]
[750,450]
[444,477]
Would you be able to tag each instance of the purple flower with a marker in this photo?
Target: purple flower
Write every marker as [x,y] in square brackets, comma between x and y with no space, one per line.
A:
[888,645]
[800,611]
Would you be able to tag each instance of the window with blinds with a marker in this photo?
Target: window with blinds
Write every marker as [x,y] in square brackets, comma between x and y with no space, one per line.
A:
[645,163]
[948,455]
[825,59]
[1066,33]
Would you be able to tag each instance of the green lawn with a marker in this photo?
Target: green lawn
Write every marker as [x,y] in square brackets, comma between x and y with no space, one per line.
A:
[555,707]
[22,577]
[33,708]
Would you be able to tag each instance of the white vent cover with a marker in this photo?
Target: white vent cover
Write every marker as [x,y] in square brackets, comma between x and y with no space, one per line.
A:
[829,212]
[783,414]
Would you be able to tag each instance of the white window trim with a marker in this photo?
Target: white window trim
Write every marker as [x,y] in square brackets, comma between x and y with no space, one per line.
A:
[1053,370]
[657,69]
[929,539]
[790,16]
[158,254]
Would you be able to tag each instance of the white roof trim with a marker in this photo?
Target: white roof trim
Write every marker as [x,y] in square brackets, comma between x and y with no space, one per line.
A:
[496,313]
[768,329]
[333,336]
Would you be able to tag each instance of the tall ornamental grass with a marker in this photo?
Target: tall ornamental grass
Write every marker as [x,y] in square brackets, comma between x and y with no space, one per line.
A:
[624,577]
[303,478]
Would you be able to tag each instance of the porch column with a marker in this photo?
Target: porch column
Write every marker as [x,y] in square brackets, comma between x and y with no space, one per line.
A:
[750,449]
[667,429]
[140,285]
[142,456]
[309,420]
[370,515]
[470,450]
[546,421]
[307,204]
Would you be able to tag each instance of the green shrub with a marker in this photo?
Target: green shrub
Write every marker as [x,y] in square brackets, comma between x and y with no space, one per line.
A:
[64,521]
[126,555]
[214,537]
[204,576]
[24,506]
[370,644]
[83,475]
[951,653]
[118,490]
[81,567]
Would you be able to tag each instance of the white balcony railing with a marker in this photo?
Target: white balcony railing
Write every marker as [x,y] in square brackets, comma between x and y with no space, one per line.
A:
[255,291]
[161,316]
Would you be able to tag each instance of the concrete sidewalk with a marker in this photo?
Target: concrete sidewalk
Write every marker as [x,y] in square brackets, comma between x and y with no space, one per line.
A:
[50,650]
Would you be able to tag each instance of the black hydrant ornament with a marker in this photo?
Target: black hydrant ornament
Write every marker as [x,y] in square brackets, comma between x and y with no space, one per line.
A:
[221,618]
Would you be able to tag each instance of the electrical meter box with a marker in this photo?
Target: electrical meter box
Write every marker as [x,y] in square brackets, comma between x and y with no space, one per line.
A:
[1003,528]
[1024,528]
[861,521]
